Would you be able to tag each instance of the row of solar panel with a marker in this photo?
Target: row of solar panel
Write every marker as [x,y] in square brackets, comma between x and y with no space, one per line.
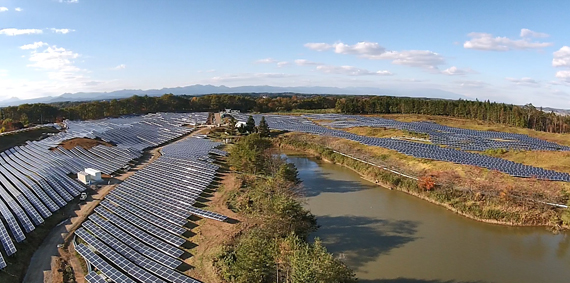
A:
[34,181]
[147,216]
[465,139]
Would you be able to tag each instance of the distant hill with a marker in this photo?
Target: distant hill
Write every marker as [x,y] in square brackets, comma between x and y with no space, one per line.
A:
[209,89]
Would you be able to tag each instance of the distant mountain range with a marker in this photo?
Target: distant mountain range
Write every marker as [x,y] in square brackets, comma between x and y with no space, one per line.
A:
[209,89]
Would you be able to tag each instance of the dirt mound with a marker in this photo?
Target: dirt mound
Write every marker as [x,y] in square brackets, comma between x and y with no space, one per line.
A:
[83,142]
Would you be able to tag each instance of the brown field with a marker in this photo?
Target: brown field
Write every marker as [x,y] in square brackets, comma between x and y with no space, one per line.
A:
[83,142]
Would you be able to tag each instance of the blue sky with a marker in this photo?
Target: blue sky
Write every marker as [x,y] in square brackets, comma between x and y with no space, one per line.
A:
[507,51]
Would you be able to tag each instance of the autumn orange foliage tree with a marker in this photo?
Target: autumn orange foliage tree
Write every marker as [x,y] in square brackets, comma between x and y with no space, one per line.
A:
[426,183]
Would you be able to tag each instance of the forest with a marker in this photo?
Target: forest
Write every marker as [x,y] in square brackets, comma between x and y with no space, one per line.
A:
[526,116]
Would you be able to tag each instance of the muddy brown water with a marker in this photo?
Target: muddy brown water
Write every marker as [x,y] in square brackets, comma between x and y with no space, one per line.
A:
[389,236]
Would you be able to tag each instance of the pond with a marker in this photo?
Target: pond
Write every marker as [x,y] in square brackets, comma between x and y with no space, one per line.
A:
[390,236]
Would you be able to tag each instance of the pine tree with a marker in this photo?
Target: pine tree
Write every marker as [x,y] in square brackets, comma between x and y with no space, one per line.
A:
[250,124]
[263,128]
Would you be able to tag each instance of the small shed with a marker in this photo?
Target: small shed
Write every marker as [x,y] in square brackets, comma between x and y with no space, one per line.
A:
[84,177]
[94,173]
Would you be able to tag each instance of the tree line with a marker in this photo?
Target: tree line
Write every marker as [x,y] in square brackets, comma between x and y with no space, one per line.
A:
[526,116]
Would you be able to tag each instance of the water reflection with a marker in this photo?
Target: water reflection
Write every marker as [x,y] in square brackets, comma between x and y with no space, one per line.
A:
[374,236]
[388,236]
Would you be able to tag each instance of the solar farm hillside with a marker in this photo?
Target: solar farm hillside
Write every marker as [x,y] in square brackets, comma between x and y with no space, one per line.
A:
[37,180]
[141,230]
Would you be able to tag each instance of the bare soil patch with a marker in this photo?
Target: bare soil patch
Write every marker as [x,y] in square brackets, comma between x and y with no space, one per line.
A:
[83,142]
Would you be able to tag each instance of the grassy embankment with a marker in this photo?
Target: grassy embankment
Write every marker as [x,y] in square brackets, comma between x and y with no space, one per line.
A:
[269,242]
[474,192]
[11,140]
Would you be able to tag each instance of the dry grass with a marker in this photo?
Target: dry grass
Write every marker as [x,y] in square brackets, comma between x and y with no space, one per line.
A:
[211,235]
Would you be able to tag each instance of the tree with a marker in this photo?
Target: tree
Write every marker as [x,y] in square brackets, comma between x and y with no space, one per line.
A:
[241,129]
[250,124]
[288,172]
[232,125]
[248,154]
[263,128]
[427,183]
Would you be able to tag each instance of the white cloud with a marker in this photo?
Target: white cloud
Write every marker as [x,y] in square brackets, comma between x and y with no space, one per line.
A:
[266,61]
[18,9]
[524,82]
[62,30]
[486,41]
[53,58]
[303,62]
[120,67]
[207,71]
[472,84]
[564,76]
[361,48]
[413,58]
[529,33]
[69,1]
[561,57]
[34,45]
[3,9]
[454,71]
[372,50]
[350,71]
[15,31]
[282,64]
[3,73]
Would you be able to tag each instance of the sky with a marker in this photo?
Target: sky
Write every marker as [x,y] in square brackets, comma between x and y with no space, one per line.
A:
[506,51]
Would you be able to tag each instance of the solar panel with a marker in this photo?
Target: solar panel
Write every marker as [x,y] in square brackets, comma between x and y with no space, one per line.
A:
[2,262]
[117,259]
[139,259]
[107,269]
[140,234]
[7,243]
[93,277]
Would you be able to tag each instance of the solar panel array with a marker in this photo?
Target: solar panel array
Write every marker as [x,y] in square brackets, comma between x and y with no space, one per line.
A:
[34,179]
[141,224]
[419,150]
[464,139]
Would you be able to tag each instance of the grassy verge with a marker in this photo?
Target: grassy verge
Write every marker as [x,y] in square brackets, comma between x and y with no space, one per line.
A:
[474,192]
[9,141]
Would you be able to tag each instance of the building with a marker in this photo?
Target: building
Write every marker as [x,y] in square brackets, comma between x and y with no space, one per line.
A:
[95,174]
[84,177]
[240,124]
